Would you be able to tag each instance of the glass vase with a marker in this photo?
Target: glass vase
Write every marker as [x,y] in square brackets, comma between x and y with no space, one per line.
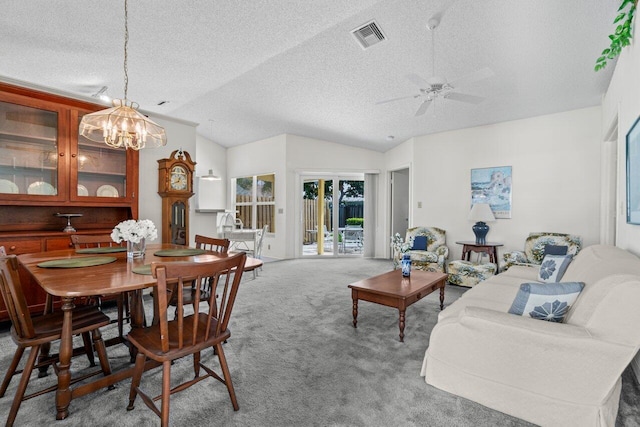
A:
[405,264]
[136,250]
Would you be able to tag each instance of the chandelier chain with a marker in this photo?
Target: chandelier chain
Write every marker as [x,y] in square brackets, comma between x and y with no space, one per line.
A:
[126,42]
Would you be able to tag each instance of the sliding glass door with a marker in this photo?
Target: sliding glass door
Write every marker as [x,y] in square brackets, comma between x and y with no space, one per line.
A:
[332,216]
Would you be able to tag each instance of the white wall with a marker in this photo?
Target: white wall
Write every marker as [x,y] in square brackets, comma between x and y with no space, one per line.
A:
[287,156]
[313,156]
[622,104]
[180,135]
[556,177]
[210,195]
[267,156]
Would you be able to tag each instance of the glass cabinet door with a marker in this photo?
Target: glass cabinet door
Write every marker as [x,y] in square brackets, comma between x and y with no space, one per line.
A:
[29,143]
[101,170]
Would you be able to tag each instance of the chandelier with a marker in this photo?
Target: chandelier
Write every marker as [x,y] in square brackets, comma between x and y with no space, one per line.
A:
[122,125]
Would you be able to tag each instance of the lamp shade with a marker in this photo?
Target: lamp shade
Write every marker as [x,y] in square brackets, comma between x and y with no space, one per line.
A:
[210,176]
[481,212]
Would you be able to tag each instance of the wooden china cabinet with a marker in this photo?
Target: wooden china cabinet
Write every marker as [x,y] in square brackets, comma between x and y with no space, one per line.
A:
[46,169]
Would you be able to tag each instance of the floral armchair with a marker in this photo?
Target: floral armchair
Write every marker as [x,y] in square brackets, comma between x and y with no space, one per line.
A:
[431,259]
[534,248]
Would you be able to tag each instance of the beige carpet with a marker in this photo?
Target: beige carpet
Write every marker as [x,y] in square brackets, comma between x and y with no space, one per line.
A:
[296,360]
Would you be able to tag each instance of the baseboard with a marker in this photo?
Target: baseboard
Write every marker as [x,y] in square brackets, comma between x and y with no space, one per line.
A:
[635,365]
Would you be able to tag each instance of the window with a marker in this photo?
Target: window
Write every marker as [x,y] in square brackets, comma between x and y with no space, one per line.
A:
[256,202]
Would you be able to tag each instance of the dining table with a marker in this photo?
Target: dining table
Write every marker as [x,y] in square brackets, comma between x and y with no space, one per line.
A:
[70,274]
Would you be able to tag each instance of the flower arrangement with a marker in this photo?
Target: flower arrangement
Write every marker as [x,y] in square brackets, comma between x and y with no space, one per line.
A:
[134,231]
[399,245]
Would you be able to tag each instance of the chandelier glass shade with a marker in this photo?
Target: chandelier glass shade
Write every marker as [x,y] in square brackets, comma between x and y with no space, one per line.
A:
[122,126]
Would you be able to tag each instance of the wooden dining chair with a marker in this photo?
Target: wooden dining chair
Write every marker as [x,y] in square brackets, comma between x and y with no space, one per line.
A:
[36,332]
[85,241]
[187,334]
[210,244]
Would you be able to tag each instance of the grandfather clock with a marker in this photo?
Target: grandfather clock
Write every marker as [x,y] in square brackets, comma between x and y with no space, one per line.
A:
[175,186]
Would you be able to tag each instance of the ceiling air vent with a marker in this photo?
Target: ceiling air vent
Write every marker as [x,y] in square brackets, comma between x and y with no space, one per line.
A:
[368,35]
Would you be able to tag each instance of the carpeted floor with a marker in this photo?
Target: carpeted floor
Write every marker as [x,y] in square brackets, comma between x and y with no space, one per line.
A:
[296,360]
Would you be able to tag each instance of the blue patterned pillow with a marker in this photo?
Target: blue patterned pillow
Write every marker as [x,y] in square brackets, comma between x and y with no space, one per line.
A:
[544,301]
[555,249]
[553,267]
[420,243]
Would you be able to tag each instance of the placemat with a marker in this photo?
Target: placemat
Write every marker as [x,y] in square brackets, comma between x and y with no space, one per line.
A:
[180,252]
[142,269]
[77,262]
[106,250]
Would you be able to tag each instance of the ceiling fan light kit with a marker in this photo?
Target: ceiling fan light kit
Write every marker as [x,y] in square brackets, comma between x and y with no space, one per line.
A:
[122,126]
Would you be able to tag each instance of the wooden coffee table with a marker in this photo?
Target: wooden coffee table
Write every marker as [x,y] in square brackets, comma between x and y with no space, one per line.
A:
[393,290]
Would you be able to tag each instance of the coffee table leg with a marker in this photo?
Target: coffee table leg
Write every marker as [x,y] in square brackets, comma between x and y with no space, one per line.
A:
[401,324]
[355,312]
[442,298]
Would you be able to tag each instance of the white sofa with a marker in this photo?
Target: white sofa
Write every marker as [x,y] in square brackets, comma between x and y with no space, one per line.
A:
[551,374]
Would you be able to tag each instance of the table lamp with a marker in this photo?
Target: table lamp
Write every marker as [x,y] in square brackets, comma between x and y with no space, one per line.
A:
[481,213]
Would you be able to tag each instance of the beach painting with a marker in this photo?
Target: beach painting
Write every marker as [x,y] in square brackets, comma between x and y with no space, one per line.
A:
[492,186]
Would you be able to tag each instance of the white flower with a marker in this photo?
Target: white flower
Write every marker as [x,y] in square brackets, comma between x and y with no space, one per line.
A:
[134,231]
[399,245]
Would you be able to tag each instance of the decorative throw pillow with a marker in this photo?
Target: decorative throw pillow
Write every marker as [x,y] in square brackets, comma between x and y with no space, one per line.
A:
[420,243]
[546,301]
[553,267]
[555,249]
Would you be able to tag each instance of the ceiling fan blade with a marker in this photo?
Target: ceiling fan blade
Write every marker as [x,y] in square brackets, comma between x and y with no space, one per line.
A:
[423,108]
[463,97]
[396,99]
[417,80]
[481,74]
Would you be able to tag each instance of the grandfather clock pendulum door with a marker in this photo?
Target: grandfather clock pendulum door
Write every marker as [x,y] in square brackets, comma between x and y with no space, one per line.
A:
[175,186]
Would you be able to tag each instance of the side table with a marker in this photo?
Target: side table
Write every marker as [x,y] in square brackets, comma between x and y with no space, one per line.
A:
[489,248]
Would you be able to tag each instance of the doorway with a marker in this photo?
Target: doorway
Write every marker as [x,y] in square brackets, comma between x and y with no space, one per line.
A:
[333,216]
[399,201]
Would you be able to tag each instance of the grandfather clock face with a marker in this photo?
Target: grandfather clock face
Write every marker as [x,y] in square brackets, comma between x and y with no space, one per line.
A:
[178,178]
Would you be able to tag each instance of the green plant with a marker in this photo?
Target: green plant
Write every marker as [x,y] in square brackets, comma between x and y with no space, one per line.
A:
[622,36]
[355,221]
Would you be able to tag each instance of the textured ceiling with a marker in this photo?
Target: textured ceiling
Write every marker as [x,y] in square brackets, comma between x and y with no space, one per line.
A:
[246,70]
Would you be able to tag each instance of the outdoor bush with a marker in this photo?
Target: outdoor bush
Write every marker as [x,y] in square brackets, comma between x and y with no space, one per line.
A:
[355,221]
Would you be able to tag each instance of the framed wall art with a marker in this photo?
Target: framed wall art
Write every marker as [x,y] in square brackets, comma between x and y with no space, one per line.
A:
[633,174]
[492,186]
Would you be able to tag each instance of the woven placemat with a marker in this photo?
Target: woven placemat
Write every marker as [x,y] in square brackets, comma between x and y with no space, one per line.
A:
[77,262]
[142,269]
[180,252]
[107,250]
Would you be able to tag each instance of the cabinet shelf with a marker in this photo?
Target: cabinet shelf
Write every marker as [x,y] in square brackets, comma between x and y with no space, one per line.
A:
[26,138]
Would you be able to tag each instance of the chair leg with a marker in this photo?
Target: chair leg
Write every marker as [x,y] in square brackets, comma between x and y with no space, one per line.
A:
[43,370]
[12,370]
[88,348]
[120,304]
[135,380]
[22,387]
[102,353]
[196,364]
[166,393]
[227,376]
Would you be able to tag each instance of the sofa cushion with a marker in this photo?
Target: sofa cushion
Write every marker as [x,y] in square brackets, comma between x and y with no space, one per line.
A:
[553,267]
[550,301]
[555,249]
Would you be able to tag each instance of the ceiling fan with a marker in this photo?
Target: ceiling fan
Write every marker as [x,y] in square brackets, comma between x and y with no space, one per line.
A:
[438,86]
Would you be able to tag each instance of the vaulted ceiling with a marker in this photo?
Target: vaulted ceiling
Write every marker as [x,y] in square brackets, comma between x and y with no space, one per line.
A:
[246,70]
